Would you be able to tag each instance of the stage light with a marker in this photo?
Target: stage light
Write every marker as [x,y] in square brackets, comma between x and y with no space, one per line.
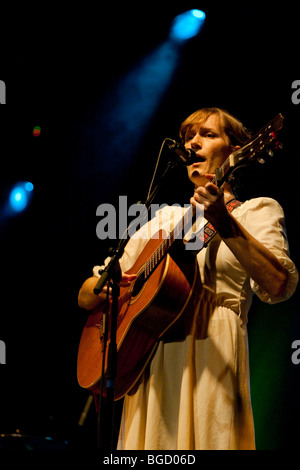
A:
[36,131]
[28,186]
[20,195]
[18,199]
[187,24]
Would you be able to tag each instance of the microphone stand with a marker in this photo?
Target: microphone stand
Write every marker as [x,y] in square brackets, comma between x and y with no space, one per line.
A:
[112,275]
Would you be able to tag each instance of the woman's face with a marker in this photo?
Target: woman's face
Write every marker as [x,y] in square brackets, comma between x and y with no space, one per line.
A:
[211,145]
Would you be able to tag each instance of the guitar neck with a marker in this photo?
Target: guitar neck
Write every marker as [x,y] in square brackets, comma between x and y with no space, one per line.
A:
[166,243]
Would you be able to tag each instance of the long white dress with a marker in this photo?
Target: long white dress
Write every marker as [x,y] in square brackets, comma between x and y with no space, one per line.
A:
[195,393]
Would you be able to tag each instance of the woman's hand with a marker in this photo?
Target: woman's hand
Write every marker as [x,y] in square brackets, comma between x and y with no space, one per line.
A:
[211,198]
[127,279]
[88,300]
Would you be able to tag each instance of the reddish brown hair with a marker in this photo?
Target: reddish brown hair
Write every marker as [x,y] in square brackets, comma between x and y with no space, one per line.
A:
[232,127]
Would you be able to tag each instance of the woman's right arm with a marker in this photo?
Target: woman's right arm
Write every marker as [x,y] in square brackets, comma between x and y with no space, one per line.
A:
[88,300]
[86,297]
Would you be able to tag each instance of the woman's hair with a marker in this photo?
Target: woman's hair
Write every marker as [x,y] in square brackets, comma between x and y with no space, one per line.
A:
[233,128]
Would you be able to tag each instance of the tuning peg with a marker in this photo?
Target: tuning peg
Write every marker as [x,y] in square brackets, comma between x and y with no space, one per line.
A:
[261,160]
[270,153]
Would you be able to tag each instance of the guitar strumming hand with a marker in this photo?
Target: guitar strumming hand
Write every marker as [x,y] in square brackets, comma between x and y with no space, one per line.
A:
[88,300]
[213,200]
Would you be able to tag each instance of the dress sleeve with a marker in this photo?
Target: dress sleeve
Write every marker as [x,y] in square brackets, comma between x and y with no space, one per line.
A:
[265,221]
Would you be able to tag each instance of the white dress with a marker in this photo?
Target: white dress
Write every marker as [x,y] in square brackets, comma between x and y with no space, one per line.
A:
[195,392]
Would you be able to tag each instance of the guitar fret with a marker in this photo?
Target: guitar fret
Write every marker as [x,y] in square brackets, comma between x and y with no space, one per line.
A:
[156,257]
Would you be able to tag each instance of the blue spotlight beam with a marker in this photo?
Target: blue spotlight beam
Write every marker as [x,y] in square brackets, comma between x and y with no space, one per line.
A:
[120,122]
[130,105]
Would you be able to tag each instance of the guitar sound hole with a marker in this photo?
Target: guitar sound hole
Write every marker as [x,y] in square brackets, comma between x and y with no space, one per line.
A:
[138,285]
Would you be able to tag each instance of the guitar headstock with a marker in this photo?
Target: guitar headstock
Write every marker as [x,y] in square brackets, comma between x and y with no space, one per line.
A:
[262,143]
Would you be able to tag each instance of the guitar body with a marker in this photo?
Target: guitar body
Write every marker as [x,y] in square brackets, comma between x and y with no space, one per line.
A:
[145,312]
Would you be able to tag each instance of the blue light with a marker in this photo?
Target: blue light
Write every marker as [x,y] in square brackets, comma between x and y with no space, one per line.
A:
[198,14]
[18,199]
[29,186]
[187,25]
[19,196]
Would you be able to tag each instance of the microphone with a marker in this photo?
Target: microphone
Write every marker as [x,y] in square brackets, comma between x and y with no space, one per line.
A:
[188,156]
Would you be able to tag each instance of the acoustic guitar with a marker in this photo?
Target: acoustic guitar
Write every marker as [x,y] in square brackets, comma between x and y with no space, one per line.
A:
[161,292]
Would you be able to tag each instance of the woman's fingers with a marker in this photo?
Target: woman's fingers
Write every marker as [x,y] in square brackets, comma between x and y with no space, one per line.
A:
[127,279]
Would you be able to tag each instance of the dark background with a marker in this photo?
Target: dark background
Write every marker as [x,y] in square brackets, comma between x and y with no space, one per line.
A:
[61,66]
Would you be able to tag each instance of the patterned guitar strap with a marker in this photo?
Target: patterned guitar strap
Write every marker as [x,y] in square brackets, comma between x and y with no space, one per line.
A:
[209,232]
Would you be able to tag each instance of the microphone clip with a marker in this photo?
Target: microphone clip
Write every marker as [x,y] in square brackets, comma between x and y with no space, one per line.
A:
[187,156]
